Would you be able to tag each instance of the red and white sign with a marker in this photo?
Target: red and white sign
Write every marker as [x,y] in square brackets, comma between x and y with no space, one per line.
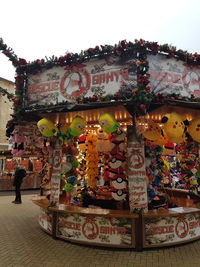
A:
[167,75]
[37,164]
[169,230]
[96,77]
[136,172]
[95,229]
[9,166]
[24,163]
[45,220]
[56,172]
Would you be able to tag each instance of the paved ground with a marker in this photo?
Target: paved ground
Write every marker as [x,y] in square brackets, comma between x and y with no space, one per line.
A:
[23,243]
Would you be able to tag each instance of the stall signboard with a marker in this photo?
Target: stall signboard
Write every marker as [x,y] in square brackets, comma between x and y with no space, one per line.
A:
[95,77]
[37,165]
[24,163]
[170,230]
[9,166]
[136,172]
[56,172]
[45,220]
[95,229]
[167,75]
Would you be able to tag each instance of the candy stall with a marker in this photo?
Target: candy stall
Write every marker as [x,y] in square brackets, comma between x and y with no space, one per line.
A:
[118,128]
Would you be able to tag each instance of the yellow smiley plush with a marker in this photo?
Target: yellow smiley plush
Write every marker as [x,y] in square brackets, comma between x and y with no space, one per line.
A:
[46,127]
[153,132]
[194,129]
[77,126]
[108,123]
[173,127]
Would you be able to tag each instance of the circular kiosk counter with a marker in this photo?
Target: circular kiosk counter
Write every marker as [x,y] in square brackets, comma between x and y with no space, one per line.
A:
[119,228]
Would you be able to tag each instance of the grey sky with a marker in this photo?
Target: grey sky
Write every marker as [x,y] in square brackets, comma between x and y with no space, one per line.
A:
[39,28]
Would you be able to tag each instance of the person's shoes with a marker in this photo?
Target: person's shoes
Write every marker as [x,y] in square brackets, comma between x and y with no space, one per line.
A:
[13,201]
[17,202]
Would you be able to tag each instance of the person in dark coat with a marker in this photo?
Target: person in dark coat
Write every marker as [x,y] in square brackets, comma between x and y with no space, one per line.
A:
[20,173]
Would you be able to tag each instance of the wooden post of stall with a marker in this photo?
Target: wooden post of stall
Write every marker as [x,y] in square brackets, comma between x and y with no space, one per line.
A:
[56,173]
[54,224]
[137,181]
[139,228]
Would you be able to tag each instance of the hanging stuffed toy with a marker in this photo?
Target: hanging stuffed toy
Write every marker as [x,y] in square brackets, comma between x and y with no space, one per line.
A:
[174,127]
[116,161]
[77,126]
[117,142]
[108,123]
[92,159]
[46,127]
[18,144]
[103,143]
[75,129]
[119,194]
[119,181]
[69,173]
[62,132]
[160,142]
[81,143]
[153,132]
[194,129]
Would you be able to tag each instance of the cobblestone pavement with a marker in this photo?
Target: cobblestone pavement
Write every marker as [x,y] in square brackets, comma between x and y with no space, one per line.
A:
[23,243]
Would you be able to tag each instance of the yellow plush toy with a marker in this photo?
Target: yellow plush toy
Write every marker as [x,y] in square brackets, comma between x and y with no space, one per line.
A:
[92,159]
[77,126]
[160,142]
[174,127]
[108,123]
[194,129]
[153,132]
[46,127]
[62,132]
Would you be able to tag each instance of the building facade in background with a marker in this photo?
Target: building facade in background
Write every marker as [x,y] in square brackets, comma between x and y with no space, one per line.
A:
[5,111]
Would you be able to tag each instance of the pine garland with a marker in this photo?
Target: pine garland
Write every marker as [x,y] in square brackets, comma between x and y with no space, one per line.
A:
[4,92]
[141,97]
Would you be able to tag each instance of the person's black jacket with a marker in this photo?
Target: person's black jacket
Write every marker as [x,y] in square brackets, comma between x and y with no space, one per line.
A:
[19,175]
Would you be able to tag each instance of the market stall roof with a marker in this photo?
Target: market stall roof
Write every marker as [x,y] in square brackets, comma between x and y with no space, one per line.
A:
[140,75]
[90,113]
[121,110]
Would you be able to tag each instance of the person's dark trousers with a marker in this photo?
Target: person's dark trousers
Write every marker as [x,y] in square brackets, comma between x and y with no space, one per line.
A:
[18,193]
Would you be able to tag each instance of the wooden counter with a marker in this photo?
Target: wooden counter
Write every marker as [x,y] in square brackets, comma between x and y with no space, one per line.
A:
[120,228]
[92,226]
